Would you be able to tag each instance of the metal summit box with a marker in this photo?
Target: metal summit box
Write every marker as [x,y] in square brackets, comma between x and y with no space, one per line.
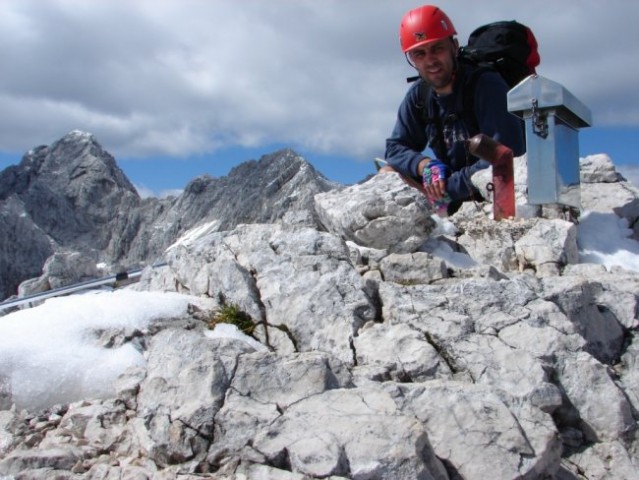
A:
[552,116]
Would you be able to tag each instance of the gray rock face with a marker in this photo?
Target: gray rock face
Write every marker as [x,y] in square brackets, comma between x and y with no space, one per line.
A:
[270,190]
[70,189]
[375,360]
[380,213]
[72,197]
[20,259]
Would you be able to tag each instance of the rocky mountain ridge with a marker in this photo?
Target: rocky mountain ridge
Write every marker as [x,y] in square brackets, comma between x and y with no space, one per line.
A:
[71,198]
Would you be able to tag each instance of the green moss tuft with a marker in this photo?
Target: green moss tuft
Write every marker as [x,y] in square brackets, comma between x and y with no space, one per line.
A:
[235,316]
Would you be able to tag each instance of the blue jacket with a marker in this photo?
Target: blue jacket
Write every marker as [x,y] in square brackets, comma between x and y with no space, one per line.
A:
[412,135]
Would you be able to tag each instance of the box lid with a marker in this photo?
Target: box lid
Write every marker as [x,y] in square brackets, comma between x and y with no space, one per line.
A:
[545,94]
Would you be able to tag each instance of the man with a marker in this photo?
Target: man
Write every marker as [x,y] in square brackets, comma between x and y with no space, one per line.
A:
[427,38]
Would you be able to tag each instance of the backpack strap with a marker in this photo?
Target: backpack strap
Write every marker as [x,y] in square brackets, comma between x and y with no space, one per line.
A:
[430,117]
[467,98]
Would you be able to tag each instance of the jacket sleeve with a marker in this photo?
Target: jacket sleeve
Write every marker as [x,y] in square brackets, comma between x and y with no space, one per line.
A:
[408,140]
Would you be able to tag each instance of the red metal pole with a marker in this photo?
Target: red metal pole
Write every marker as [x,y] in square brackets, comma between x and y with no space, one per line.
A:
[501,158]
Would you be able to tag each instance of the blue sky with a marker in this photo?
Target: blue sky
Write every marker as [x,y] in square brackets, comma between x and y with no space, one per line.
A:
[179,88]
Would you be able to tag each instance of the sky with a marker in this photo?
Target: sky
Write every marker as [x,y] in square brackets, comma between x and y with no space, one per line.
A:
[48,354]
[174,89]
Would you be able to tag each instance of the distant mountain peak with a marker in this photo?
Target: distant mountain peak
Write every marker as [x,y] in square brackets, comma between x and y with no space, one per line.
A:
[76,198]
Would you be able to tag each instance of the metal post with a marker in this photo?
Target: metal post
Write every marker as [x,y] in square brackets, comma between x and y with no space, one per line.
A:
[117,280]
[501,158]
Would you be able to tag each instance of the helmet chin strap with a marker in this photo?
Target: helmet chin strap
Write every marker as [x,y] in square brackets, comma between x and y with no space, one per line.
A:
[414,78]
[409,62]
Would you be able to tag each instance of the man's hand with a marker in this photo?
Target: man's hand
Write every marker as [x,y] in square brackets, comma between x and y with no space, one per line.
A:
[434,176]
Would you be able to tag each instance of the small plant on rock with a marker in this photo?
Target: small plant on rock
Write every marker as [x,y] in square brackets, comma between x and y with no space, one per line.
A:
[234,315]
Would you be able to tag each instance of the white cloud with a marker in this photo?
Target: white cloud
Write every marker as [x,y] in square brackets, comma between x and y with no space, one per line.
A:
[183,77]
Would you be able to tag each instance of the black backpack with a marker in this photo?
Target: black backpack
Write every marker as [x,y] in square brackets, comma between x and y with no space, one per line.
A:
[507,47]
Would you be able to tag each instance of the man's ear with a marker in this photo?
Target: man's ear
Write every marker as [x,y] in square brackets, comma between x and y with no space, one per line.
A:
[455,43]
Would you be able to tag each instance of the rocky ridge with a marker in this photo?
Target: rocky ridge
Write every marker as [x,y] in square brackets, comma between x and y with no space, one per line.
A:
[71,199]
[377,358]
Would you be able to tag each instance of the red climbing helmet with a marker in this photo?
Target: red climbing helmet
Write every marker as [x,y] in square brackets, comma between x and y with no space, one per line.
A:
[424,25]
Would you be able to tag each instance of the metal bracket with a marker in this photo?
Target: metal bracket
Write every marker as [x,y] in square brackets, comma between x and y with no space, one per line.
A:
[540,120]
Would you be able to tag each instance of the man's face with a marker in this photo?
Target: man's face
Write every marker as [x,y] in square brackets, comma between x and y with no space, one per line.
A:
[435,62]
